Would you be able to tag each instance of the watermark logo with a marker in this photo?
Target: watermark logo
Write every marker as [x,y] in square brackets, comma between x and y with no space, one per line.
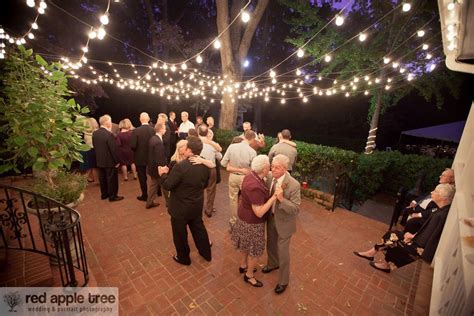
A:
[12,299]
[59,301]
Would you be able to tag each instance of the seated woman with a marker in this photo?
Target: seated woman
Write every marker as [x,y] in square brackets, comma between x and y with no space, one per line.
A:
[248,233]
[401,249]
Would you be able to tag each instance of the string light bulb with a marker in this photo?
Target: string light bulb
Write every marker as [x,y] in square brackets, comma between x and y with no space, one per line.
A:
[245,17]
[199,59]
[101,33]
[429,56]
[298,72]
[43,5]
[432,67]
[300,53]
[272,74]
[41,10]
[104,19]
[339,20]
[184,66]
[451,6]
[327,58]
[406,7]
[386,60]
[31,36]
[217,44]
[30,3]
[34,26]
[362,37]
[425,46]
[92,34]
[420,33]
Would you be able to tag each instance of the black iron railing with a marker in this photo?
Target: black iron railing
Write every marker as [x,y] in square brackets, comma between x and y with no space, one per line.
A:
[32,222]
[343,192]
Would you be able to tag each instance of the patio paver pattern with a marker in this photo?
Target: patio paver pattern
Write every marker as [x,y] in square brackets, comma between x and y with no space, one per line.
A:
[131,248]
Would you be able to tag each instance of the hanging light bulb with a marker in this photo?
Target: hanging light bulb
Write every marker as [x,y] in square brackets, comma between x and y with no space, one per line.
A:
[327,58]
[217,44]
[85,49]
[451,6]
[34,26]
[395,64]
[339,20]
[101,33]
[92,34]
[300,53]
[366,92]
[31,36]
[23,41]
[425,46]
[429,56]
[298,72]
[104,19]
[362,37]
[245,17]
[30,3]
[272,74]
[402,70]
[246,63]
[184,66]
[173,68]
[199,59]
[386,60]
[41,10]
[283,101]
[305,99]
[406,7]
[43,5]
[420,33]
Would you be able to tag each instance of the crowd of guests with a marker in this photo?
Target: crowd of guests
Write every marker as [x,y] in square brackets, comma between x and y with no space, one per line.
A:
[438,151]
[181,163]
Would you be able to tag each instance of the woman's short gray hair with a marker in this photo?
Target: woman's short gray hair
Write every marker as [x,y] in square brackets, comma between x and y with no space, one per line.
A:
[446,191]
[259,163]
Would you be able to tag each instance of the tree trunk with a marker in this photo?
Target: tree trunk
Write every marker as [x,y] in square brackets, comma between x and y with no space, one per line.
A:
[374,123]
[231,57]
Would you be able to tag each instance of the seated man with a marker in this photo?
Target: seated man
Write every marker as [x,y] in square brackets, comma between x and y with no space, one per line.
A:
[401,249]
[420,209]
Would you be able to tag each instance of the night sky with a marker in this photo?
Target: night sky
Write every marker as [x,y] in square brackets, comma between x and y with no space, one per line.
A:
[320,120]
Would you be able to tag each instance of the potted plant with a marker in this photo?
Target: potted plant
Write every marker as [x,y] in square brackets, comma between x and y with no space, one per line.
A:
[42,123]
[43,126]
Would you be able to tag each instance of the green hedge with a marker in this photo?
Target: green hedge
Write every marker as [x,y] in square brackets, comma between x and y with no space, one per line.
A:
[379,172]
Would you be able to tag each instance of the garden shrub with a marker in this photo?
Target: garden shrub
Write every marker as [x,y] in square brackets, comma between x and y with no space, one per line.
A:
[378,172]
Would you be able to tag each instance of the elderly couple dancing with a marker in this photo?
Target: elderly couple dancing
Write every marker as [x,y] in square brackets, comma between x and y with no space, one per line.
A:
[271,199]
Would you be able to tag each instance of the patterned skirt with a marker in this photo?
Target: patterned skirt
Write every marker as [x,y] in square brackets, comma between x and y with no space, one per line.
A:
[249,237]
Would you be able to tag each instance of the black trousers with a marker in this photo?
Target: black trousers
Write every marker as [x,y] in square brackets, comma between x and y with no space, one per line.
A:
[180,238]
[108,179]
[141,170]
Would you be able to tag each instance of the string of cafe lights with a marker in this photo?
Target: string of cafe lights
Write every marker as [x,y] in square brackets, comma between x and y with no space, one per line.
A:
[251,84]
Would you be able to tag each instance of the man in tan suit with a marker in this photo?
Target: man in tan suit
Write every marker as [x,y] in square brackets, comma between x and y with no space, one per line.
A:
[281,223]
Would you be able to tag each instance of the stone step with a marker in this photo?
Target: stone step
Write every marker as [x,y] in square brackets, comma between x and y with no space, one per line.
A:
[26,269]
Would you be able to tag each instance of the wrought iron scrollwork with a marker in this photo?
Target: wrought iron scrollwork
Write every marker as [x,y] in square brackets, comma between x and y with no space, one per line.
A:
[13,217]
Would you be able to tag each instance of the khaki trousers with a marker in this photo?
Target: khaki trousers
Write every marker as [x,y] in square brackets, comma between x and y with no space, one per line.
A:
[235,183]
[211,192]
[153,187]
[278,250]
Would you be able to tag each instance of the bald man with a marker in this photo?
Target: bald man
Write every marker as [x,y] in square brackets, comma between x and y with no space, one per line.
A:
[139,145]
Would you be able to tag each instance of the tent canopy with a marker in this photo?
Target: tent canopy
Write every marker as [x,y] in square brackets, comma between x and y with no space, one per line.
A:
[449,132]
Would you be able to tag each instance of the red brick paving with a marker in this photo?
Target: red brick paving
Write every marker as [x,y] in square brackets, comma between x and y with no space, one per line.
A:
[130,247]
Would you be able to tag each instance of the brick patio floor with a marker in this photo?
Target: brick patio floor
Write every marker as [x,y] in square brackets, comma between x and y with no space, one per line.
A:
[130,247]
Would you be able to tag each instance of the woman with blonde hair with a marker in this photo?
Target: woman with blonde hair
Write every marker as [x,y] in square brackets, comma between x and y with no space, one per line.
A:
[125,153]
[89,164]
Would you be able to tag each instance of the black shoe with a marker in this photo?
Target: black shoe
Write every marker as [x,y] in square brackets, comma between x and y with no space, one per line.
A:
[104,197]
[243,270]
[187,263]
[280,288]
[256,284]
[152,205]
[267,269]
[116,198]
[142,198]
[372,264]
[365,257]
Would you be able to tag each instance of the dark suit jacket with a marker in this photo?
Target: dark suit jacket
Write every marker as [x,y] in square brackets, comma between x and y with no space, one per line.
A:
[105,148]
[429,234]
[156,156]
[186,183]
[173,126]
[167,140]
[139,143]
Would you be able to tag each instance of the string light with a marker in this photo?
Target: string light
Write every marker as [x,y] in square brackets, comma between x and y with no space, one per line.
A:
[245,17]
[300,53]
[451,6]
[339,20]
[217,44]
[386,60]
[406,7]
[429,56]
[92,34]
[34,26]
[272,74]
[104,19]
[425,46]
[30,3]
[362,37]
[327,58]
[101,33]
[199,59]
[420,33]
